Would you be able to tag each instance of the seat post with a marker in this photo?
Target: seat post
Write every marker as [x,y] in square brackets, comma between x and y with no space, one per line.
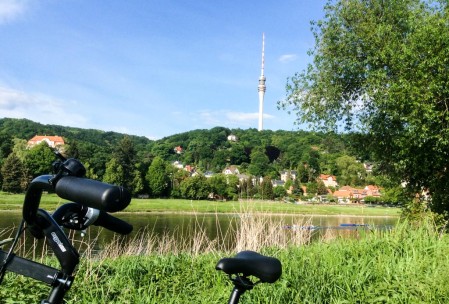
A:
[241,284]
[235,295]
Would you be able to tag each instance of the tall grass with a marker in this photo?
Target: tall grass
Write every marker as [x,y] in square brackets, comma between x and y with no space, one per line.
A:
[250,231]
[403,265]
[407,264]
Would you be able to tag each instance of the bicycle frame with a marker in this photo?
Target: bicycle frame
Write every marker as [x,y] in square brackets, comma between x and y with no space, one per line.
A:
[67,182]
[42,224]
[97,198]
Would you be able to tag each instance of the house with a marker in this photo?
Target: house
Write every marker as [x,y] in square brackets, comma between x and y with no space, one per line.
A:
[329,180]
[233,138]
[346,194]
[178,150]
[190,169]
[277,183]
[177,164]
[343,195]
[372,190]
[368,167]
[52,141]
[286,174]
[231,170]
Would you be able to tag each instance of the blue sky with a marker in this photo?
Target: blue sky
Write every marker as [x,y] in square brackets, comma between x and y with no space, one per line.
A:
[151,68]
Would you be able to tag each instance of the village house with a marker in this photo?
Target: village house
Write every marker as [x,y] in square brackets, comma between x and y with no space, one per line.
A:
[277,183]
[177,164]
[178,150]
[233,138]
[288,174]
[190,169]
[329,180]
[231,170]
[52,141]
[348,194]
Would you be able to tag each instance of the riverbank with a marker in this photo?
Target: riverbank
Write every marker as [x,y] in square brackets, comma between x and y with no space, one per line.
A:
[404,265]
[50,202]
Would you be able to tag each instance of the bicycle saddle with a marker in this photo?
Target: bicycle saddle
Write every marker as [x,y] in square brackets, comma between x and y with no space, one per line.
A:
[250,263]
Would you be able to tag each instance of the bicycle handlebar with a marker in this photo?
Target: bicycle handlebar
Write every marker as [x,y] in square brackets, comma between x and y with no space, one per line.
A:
[92,193]
[87,192]
[91,202]
[78,217]
[113,223]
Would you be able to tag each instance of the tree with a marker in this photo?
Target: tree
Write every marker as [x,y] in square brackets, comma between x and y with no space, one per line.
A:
[232,183]
[279,192]
[246,188]
[312,158]
[321,188]
[381,68]
[220,160]
[350,171]
[266,189]
[14,175]
[176,178]
[195,187]
[238,154]
[71,150]
[218,185]
[125,155]
[158,178]
[6,145]
[114,172]
[38,160]
[259,162]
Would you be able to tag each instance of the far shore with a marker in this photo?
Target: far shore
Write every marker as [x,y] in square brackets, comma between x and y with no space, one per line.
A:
[50,202]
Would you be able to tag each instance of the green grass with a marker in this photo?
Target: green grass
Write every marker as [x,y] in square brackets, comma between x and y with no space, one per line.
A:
[50,202]
[405,265]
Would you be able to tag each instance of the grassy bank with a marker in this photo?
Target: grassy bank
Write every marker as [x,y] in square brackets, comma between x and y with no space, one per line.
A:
[51,202]
[404,265]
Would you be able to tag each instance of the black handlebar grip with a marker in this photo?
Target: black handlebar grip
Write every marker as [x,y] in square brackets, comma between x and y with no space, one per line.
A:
[112,223]
[92,193]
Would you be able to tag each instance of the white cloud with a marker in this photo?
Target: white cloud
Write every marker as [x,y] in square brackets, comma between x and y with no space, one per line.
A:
[37,107]
[230,119]
[12,9]
[288,58]
[246,117]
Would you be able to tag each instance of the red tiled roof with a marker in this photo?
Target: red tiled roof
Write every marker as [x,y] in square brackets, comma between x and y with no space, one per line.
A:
[342,193]
[326,176]
[57,140]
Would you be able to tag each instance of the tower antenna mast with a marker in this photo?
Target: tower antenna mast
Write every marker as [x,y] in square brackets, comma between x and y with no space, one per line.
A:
[262,87]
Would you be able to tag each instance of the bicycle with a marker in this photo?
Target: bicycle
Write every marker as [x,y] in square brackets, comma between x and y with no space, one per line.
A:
[90,203]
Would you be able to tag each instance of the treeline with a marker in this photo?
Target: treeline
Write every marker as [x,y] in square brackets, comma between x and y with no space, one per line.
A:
[145,166]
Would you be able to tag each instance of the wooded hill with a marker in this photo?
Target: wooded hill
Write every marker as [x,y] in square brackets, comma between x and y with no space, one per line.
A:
[264,153]
[199,146]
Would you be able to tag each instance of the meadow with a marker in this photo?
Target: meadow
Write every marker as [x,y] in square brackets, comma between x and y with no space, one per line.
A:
[14,202]
[405,265]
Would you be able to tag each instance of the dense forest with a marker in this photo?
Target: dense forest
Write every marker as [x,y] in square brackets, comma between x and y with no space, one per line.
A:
[146,166]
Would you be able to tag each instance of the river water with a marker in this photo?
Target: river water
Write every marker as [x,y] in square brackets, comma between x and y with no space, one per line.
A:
[223,227]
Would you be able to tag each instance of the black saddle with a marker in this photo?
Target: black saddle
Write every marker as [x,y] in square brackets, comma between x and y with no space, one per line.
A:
[250,263]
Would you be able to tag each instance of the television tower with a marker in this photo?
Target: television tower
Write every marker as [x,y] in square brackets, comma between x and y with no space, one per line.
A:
[262,86]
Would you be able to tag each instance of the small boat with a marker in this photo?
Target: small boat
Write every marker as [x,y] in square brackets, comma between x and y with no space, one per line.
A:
[354,225]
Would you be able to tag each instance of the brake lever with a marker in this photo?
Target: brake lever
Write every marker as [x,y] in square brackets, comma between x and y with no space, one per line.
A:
[75,216]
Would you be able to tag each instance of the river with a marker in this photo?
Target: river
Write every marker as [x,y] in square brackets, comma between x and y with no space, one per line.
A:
[182,228]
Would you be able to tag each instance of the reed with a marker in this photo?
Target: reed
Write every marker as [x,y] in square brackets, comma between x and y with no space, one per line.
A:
[251,231]
[407,264]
